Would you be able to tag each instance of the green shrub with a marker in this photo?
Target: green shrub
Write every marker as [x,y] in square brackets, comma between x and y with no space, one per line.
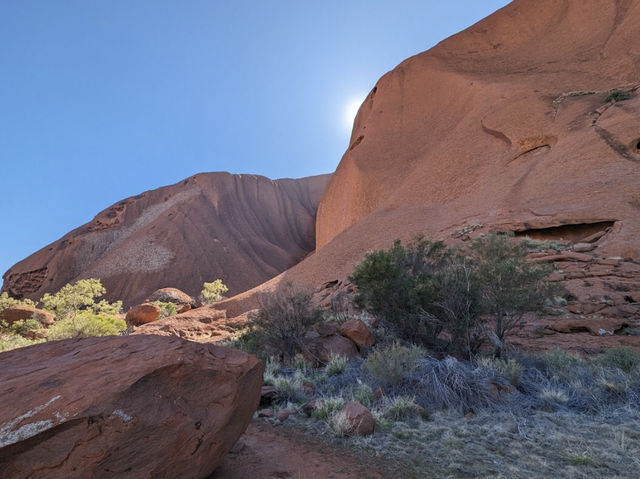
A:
[24,326]
[363,393]
[80,296]
[166,309]
[14,341]
[398,286]
[213,292]
[509,284]
[283,319]
[399,407]
[7,301]
[560,363]
[618,95]
[393,364]
[622,357]
[86,324]
[510,369]
[337,364]
[328,407]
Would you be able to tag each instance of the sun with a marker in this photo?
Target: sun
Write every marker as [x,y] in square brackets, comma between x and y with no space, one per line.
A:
[351,111]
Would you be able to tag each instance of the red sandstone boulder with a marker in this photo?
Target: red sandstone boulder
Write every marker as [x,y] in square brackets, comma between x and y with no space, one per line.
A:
[359,419]
[320,349]
[358,332]
[182,300]
[142,314]
[18,313]
[144,406]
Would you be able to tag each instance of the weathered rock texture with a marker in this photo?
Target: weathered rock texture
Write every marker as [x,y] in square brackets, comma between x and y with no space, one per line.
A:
[144,406]
[243,229]
[19,312]
[505,126]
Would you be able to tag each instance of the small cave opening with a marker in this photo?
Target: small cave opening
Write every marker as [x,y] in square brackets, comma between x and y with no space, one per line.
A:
[638,145]
[573,233]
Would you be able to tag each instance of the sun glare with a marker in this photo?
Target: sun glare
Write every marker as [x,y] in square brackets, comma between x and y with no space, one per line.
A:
[351,111]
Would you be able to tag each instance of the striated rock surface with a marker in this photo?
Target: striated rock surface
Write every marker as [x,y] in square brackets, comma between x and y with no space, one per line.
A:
[243,229]
[144,406]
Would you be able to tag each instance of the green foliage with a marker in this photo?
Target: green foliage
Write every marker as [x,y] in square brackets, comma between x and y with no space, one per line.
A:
[79,296]
[509,285]
[560,363]
[391,365]
[212,292]
[622,357]
[328,407]
[24,326]
[283,319]
[7,301]
[167,309]
[14,341]
[399,407]
[398,286]
[86,324]
[336,365]
[618,95]
[511,369]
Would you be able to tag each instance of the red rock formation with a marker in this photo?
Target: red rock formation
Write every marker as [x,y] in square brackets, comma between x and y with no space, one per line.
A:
[144,406]
[19,312]
[504,125]
[142,314]
[243,229]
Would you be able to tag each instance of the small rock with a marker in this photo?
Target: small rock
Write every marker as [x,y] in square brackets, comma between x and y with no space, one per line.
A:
[310,406]
[267,395]
[322,348]
[359,418]
[284,414]
[142,314]
[359,333]
[328,328]
[265,412]
[182,300]
[583,247]
[308,388]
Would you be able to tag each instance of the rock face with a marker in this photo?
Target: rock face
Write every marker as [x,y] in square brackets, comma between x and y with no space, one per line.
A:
[243,229]
[144,406]
[505,125]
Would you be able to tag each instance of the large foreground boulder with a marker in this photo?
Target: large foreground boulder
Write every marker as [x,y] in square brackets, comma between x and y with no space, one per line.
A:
[135,407]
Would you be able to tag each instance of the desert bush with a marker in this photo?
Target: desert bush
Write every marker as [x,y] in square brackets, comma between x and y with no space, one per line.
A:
[337,364]
[7,301]
[622,357]
[289,387]
[398,286]
[391,365]
[509,284]
[339,424]
[618,95]
[166,309]
[86,324]
[80,296]
[213,292]
[15,341]
[561,363]
[24,326]
[398,408]
[283,319]
[328,407]
[448,384]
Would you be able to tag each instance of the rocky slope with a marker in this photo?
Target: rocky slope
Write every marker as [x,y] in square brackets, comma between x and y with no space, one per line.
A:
[244,229]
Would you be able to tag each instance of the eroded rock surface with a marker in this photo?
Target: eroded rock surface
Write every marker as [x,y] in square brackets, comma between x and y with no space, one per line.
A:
[143,406]
[243,229]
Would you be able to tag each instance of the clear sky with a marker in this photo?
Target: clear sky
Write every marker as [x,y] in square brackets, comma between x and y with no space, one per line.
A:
[101,100]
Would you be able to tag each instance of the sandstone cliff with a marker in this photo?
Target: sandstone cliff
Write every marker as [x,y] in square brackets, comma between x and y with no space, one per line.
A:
[244,229]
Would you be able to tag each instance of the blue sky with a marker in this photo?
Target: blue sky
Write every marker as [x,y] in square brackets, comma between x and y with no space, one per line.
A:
[101,100]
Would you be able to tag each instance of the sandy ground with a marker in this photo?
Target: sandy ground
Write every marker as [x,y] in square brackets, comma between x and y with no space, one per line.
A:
[271,452]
